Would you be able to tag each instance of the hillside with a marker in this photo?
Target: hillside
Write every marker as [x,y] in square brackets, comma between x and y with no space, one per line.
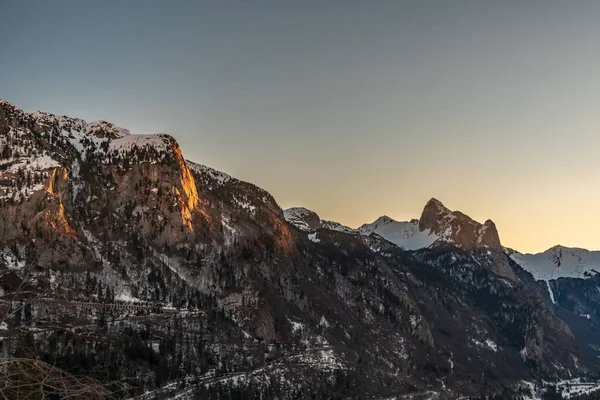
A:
[126,261]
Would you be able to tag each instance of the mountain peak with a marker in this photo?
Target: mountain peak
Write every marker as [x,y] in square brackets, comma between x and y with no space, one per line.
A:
[383,220]
[7,105]
[302,218]
[433,202]
[458,228]
[433,213]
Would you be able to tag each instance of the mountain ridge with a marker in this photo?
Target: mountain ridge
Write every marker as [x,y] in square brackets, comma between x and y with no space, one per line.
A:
[416,234]
[436,223]
[309,312]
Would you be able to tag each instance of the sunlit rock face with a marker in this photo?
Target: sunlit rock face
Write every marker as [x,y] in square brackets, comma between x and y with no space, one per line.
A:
[458,228]
[62,177]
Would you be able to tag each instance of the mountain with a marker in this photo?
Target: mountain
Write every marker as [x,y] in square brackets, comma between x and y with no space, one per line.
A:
[302,218]
[457,228]
[437,227]
[571,277]
[122,260]
[560,262]
[447,240]
[437,224]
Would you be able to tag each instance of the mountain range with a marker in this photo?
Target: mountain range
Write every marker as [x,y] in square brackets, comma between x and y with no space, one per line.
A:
[125,261]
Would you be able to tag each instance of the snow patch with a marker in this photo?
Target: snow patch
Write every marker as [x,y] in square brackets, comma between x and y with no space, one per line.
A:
[550,292]
[296,326]
[127,298]
[405,235]
[217,176]
[296,216]
[487,344]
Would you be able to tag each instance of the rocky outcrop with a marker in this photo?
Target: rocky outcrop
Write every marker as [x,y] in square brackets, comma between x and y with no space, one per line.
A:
[458,228]
[61,177]
[302,218]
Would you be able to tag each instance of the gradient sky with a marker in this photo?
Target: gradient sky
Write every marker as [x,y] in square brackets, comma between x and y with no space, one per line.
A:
[352,108]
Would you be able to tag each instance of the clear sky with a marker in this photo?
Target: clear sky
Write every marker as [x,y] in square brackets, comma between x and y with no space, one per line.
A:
[351,108]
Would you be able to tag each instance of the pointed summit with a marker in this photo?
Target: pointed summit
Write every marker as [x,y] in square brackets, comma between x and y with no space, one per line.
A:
[433,213]
[458,228]
[383,220]
[433,202]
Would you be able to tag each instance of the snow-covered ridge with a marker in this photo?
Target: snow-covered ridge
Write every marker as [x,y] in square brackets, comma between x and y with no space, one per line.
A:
[33,144]
[559,262]
[404,234]
[302,218]
[100,128]
[158,142]
[437,224]
[218,177]
[63,123]
[63,133]
[336,226]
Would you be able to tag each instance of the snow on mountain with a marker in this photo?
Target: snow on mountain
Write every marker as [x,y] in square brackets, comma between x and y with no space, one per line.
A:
[63,123]
[457,228]
[42,140]
[34,145]
[336,226]
[559,262]
[437,223]
[106,129]
[302,218]
[31,163]
[127,143]
[178,234]
[404,234]
[216,177]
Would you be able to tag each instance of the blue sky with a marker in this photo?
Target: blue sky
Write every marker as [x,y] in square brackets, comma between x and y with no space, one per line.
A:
[352,108]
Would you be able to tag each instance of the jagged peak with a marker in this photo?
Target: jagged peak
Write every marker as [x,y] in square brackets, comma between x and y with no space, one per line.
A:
[457,227]
[435,203]
[489,222]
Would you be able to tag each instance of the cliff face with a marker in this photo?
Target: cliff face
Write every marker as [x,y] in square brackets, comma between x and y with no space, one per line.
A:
[62,177]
